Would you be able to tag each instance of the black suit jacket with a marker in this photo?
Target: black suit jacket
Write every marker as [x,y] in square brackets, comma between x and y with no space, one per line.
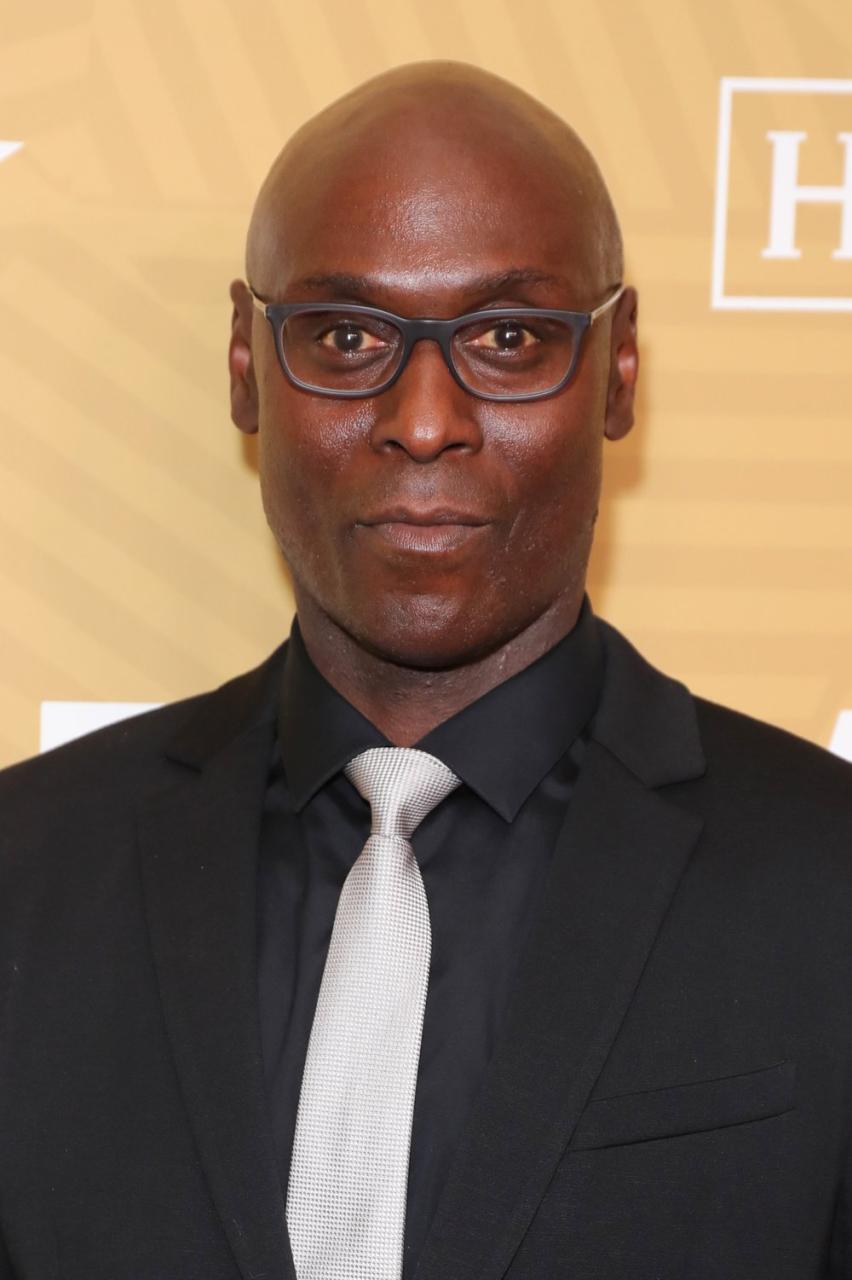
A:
[671,1093]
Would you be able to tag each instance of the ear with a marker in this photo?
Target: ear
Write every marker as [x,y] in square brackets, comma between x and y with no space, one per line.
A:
[244,404]
[624,367]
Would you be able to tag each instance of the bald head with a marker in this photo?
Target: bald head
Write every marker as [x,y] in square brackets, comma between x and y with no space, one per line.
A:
[444,123]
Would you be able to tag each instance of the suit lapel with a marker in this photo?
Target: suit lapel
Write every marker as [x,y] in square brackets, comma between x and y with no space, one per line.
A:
[617,864]
[198,843]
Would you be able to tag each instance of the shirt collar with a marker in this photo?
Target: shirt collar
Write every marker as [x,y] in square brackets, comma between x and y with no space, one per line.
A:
[319,732]
[502,745]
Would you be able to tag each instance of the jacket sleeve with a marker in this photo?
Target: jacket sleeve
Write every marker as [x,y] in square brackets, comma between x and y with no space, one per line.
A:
[6,1272]
[840,1248]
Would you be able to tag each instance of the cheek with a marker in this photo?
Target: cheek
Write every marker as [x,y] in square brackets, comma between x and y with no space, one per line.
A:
[555,461]
[306,449]
[574,481]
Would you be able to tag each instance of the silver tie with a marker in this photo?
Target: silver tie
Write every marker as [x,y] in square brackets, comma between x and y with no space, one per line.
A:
[349,1169]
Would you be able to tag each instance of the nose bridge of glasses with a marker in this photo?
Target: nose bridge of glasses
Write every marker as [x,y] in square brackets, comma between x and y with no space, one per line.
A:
[425,329]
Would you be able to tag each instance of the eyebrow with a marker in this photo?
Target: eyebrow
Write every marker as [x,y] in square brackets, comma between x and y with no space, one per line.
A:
[348,286]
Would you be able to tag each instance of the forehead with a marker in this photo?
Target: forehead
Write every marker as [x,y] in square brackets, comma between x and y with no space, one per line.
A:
[424,212]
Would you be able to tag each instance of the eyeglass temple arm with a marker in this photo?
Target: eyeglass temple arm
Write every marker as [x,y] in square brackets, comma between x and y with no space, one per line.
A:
[258,304]
[606,304]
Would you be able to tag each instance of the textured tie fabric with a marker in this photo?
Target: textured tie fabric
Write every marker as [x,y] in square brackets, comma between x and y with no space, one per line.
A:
[349,1168]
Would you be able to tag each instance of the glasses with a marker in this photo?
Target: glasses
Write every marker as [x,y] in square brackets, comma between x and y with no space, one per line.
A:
[349,352]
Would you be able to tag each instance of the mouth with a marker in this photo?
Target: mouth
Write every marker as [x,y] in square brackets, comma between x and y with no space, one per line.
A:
[430,531]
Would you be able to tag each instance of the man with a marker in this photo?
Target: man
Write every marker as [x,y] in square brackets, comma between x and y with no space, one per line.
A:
[580,1005]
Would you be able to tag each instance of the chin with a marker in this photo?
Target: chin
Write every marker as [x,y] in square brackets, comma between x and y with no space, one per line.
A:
[427,632]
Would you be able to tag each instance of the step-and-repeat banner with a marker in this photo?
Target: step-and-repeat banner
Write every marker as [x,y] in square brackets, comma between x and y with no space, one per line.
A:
[135,565]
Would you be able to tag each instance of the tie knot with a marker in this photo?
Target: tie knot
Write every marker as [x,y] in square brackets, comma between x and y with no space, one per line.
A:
[401,786]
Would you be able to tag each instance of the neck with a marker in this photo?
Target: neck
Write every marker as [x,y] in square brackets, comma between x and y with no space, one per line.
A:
[405,703]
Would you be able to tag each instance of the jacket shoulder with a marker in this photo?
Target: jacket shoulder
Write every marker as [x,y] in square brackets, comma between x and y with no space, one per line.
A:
[772,762]
[96,759]
[757,785]
[777,823]
[110,767]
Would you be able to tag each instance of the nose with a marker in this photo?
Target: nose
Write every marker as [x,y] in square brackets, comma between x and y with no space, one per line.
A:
[426,412]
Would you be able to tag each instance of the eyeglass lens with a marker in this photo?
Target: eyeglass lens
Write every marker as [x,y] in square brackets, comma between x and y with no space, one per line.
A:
[348,351]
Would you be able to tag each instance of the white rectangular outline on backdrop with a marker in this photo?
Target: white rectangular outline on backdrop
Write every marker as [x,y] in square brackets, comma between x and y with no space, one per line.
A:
[719,300]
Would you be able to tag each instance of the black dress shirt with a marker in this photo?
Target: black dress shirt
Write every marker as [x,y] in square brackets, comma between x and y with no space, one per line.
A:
[483,854]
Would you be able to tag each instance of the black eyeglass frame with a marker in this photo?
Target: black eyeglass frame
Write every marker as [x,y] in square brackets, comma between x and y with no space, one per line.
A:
[440,331]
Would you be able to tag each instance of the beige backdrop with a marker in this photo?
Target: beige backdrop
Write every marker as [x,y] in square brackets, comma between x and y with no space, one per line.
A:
[134,562]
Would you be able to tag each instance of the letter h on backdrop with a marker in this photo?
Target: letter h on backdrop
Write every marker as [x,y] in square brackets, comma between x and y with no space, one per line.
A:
[787,194]
[738,281]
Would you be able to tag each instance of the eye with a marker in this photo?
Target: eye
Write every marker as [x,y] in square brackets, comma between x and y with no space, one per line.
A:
[505,335]
[349,338]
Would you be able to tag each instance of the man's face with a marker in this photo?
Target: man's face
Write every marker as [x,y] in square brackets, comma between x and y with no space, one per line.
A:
[428,524]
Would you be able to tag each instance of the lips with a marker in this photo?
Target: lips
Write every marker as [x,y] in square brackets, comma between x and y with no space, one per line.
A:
[434,516]
[439,530]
